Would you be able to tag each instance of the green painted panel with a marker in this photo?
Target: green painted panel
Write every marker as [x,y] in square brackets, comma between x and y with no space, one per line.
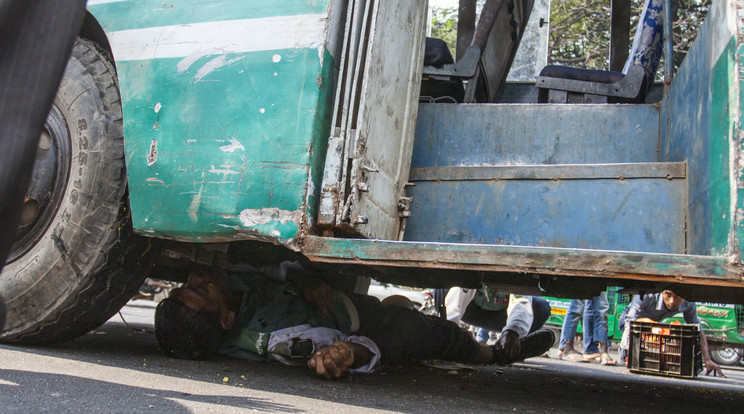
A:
[739,147]
[216,152]
[722,131]
[137,14]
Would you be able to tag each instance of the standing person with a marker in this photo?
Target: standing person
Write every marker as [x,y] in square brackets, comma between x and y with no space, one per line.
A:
[577,308]
[658,306]
[598,312]
[277,312]
[595,324]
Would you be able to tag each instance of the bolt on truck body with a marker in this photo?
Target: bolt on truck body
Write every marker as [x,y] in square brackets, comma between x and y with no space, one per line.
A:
[297,124]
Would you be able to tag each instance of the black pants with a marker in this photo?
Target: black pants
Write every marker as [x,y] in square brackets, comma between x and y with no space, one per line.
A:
[405,334]
[496,320]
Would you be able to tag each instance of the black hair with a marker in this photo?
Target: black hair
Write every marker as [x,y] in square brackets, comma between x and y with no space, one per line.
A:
[184,333]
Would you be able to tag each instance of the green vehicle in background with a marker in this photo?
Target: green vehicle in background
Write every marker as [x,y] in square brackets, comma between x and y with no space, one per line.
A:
[723,324]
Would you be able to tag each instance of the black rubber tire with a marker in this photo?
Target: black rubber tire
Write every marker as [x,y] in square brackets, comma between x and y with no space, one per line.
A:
[87,263]
[724,355]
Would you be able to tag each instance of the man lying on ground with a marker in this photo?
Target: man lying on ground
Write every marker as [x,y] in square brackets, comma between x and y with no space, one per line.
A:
[289,314]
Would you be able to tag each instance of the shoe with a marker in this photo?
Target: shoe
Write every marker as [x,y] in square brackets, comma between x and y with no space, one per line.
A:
[532,345]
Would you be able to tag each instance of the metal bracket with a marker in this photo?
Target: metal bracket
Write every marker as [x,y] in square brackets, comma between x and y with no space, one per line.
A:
[463,68]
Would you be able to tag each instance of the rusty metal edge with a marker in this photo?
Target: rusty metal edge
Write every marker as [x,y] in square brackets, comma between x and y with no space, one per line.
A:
[673,268]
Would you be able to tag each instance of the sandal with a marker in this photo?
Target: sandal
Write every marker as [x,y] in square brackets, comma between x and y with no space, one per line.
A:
[607,360]
[592,357]
[575,358]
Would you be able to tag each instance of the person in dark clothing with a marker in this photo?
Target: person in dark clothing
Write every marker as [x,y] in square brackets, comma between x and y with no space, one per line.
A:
[289,314]
[657,307]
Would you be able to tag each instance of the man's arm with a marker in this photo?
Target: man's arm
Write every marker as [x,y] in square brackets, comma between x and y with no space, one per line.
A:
[520,316]
[330,352]
[691,316]
[635,307]
[710,366]
[456,301]
[518,324]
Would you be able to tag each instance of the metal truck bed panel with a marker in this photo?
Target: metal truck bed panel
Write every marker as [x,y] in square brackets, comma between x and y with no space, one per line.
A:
[700,123]
[631,207]
[525,134]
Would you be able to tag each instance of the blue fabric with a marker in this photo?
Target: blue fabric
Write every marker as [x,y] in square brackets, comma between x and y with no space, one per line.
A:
[590,344]
[483,335]
[594,314]
[649,39]
[599,307]
[571,321]
[646,52]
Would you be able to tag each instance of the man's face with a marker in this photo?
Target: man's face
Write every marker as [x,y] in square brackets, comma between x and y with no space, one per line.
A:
[204,291]
[672,301]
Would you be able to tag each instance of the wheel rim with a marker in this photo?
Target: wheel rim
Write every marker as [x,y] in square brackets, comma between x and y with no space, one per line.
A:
[728,355]
[48,184]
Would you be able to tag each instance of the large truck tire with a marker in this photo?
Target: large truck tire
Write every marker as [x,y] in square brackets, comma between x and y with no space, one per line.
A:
[75,261]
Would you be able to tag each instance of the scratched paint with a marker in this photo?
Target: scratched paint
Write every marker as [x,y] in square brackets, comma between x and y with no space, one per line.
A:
[701,110]
[232,146]
[139,14]
[254,217]
[214,65]
[245,118]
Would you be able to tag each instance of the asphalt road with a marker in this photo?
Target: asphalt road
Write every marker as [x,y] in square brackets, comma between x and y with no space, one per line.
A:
[118,369]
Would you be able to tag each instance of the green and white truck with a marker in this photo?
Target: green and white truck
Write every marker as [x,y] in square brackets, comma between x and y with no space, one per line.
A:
[268,130]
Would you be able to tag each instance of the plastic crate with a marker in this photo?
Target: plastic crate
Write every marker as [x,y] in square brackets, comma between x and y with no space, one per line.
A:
[664,349]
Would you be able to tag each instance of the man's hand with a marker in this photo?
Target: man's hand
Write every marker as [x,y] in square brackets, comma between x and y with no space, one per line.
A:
[711,366]
[509,342]
[333,360]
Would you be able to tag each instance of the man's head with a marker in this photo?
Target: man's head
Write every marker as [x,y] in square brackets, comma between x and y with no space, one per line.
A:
[672,301]
[191,322]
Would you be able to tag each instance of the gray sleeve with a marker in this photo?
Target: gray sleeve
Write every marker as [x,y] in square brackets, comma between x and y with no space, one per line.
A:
[635,307]
[690,313]
[520,315]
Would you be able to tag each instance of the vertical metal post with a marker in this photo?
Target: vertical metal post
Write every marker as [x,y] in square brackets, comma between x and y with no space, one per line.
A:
[465,26]
[668,43]
[619,34]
